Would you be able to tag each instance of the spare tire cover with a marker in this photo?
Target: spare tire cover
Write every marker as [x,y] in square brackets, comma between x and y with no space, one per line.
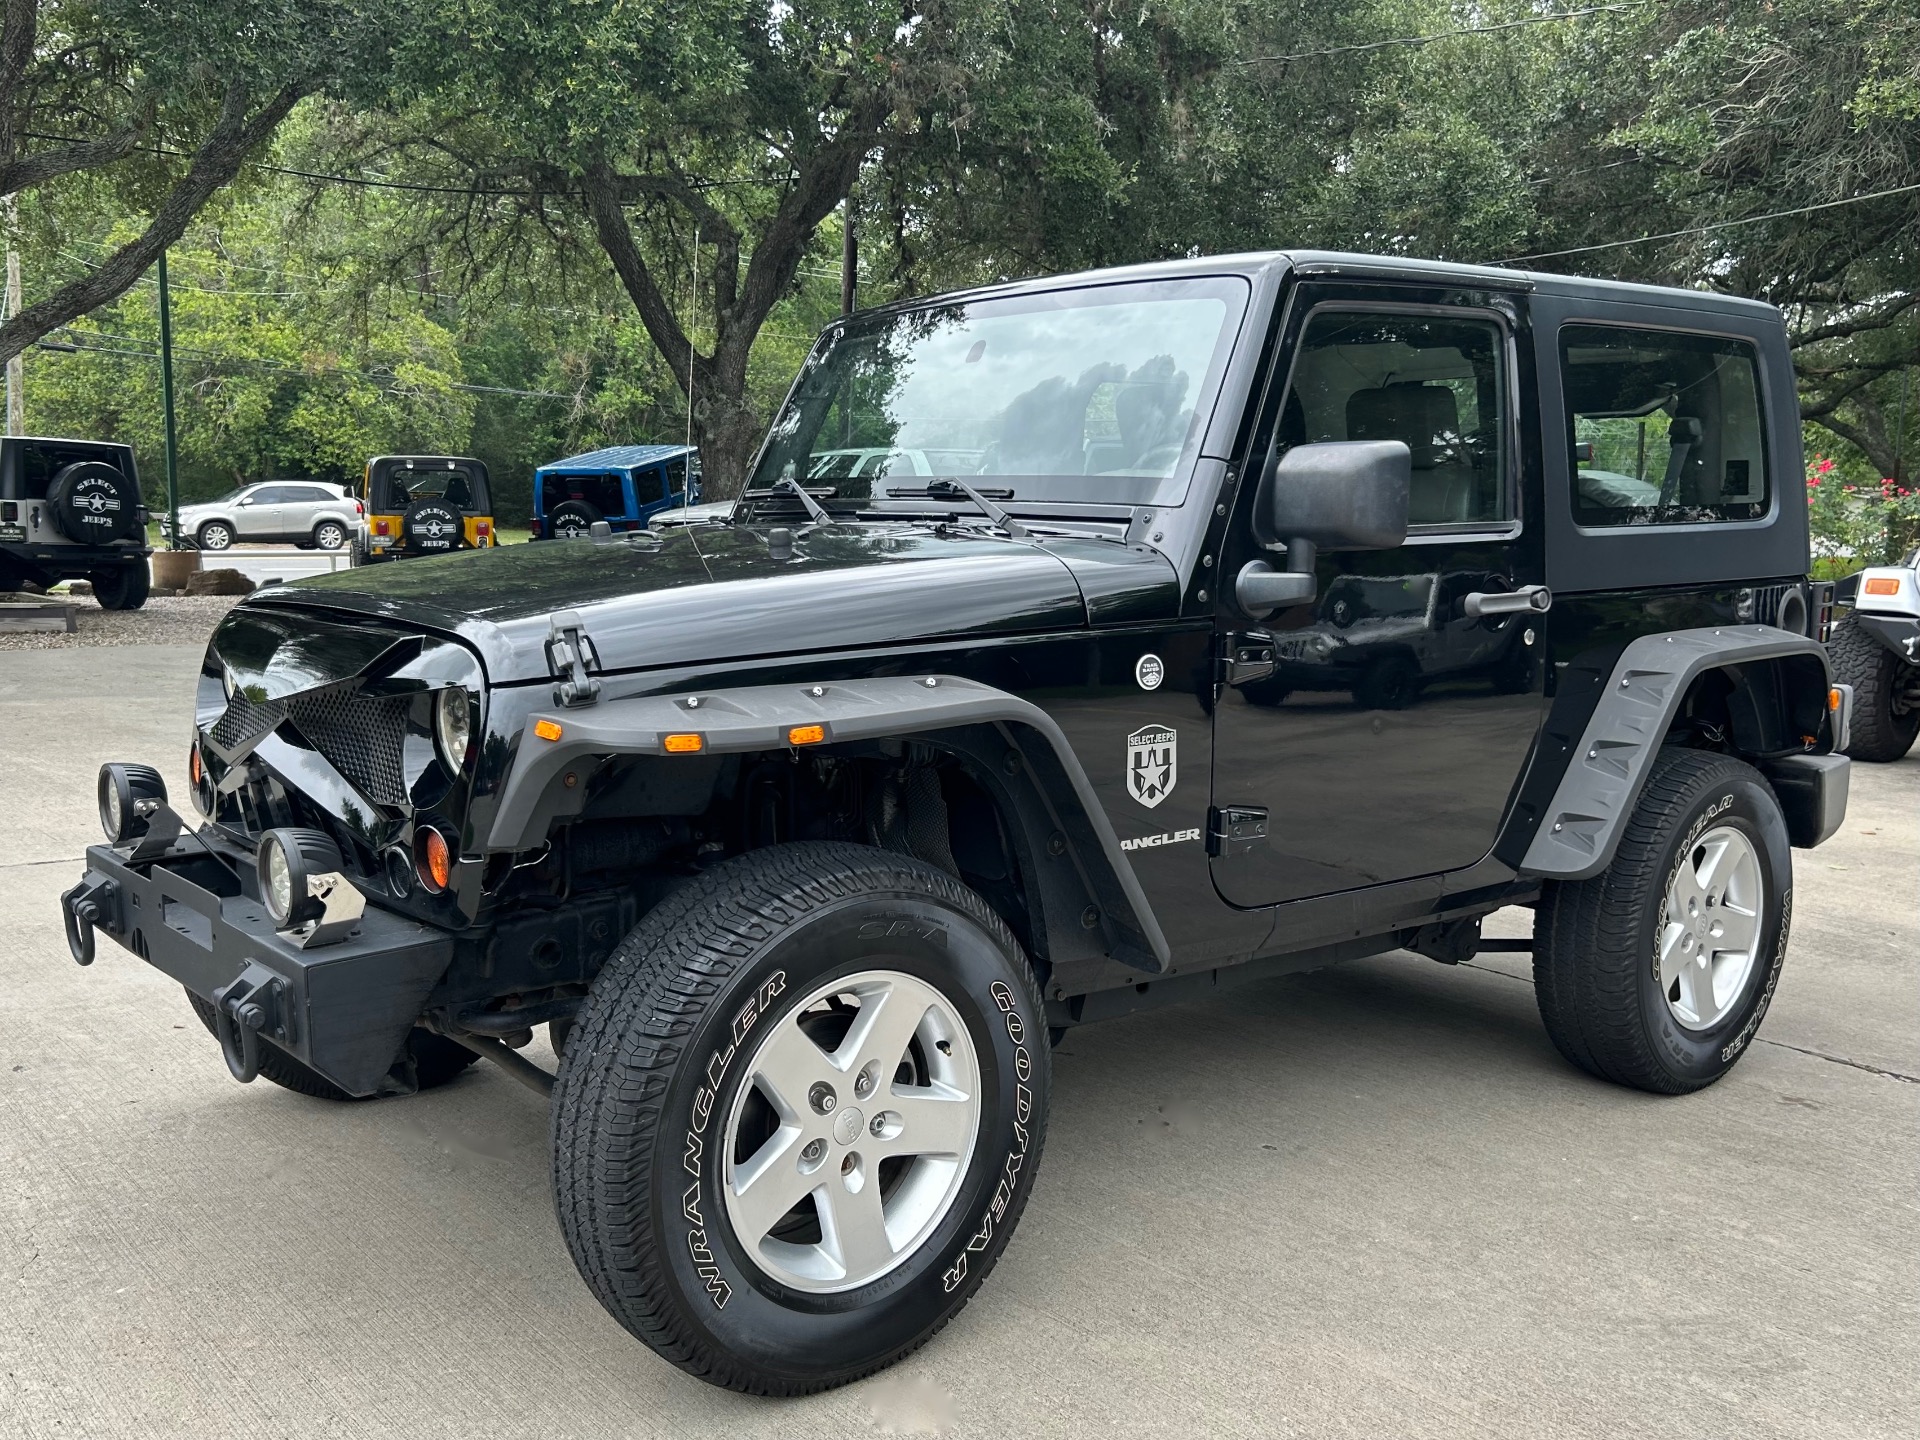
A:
[432,525]
[94,504]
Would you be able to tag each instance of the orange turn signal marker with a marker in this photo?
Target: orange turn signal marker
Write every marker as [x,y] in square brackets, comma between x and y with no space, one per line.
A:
[1883,585]
[1833,699]
[193,764]
[435,863]
[548,729]
[806,734]
[683,744]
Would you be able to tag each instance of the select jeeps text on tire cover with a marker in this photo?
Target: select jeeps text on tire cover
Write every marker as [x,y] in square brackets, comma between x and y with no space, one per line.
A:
[805,835]
[72,510]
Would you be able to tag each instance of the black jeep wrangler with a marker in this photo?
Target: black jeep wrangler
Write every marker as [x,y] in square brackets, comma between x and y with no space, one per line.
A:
[804,835]
[71,510]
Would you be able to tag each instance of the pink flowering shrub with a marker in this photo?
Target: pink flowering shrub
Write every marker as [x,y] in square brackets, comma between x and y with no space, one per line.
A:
[1869,522]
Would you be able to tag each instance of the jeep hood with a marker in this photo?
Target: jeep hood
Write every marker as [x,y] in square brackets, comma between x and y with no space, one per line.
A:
[730,593]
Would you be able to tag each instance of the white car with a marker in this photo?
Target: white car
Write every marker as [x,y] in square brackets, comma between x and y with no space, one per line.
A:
[309,513]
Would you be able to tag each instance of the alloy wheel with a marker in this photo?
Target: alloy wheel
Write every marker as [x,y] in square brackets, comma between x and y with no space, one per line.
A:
[1710,927]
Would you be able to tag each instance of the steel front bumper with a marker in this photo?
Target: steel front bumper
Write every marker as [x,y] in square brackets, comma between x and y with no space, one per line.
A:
[190,910]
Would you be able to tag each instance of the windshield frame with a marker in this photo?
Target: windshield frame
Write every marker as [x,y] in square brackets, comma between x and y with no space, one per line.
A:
[1050,494]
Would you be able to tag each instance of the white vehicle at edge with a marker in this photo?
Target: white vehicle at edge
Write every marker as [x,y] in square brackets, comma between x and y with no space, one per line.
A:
[1876,649]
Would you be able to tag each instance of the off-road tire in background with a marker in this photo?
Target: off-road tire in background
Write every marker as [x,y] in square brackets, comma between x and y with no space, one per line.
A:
[654,1092]
[436,1060]
[124,587]
[572,520]
[329,535]
[214,535]
[1598,943]
[1390,683]
[1881,732]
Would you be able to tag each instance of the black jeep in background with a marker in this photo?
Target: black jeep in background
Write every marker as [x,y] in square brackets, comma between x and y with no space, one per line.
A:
[71,510]
[804,835]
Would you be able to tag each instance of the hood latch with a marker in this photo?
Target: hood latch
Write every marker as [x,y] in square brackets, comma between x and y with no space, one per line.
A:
[570,653]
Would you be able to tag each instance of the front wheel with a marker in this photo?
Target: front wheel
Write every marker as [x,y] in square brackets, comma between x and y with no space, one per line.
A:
[1886,694]
[215,535]
[800,1114]
[1657,972]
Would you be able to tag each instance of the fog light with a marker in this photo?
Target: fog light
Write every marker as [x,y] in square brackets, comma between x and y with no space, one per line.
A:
[128,796]
[289,862]
[433,861]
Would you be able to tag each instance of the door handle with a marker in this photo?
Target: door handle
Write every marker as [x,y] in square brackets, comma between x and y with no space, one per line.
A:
[1528,599]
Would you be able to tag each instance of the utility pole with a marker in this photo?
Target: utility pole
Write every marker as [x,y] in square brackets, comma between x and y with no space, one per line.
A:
[166,405]
[16,367]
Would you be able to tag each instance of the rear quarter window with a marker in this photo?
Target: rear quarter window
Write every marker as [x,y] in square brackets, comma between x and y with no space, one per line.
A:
[1663,428]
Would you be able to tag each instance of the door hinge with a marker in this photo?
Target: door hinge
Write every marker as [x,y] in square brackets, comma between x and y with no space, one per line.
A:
[1244,657]
[570,654]
[1235,829]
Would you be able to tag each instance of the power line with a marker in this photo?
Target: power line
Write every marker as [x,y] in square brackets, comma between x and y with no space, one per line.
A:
[1418,40]
[1714,225]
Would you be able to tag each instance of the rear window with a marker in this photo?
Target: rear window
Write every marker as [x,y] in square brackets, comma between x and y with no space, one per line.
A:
[1663,428]
[400,486]
[39,463]
[602,492]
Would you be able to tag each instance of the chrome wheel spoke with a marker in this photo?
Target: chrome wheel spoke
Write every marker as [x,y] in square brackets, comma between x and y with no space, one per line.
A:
[853,1225]
[788,1065]
[883,1029]
[764,1188]
[929,1123]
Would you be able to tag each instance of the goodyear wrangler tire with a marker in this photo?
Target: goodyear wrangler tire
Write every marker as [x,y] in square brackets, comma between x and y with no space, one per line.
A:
[1657,972]
[800,1114]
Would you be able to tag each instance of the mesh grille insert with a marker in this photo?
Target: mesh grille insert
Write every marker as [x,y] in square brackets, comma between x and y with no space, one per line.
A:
[361,736]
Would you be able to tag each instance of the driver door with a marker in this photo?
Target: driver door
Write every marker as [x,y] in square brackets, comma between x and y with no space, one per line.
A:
[257,514]
[1386,741]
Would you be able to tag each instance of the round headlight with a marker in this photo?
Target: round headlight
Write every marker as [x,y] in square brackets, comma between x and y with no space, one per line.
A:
[287,858]
[453,726]
[128,794]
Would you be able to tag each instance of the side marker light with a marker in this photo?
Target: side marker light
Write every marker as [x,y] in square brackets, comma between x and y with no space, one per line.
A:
[683,744]
[548,729]
[1883,585]
[806,734]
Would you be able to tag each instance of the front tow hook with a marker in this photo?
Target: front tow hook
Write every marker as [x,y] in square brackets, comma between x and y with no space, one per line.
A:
[242,1008]
[81,908]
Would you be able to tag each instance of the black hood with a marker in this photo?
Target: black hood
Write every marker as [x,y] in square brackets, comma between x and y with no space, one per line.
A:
[706,593]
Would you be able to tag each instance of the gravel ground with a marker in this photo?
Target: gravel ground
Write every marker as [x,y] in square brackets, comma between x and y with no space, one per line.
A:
[176,620]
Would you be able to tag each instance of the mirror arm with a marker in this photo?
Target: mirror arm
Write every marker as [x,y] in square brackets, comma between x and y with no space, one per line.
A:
[1259,589]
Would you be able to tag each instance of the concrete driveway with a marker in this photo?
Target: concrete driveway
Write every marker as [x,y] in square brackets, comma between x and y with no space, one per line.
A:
[1366,1202]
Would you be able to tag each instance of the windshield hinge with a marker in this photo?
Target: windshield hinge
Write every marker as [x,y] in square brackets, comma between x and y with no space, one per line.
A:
[570,654]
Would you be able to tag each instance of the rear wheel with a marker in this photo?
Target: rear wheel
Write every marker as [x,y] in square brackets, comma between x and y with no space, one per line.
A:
[1657,972]
[1389,683]
[124,587]
[1886,694]
[436,1060]
[329,535]
[799,1115]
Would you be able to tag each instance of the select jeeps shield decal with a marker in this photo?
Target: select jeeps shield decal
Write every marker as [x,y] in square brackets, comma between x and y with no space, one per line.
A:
[1152,763]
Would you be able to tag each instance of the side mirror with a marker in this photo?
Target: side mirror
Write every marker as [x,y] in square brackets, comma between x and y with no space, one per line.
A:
[1345,495]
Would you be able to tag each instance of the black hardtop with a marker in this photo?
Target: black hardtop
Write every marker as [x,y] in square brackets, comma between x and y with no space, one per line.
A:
[1273,265]
[58,452]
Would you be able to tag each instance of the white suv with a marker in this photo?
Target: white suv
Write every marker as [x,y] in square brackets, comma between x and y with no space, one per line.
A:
[309,513]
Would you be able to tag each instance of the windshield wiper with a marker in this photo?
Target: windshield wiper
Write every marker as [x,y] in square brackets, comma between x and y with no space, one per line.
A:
[949,488]
[815,510]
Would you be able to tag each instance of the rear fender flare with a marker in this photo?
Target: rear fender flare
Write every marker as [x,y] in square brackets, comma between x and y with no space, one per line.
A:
[1037,780]
[1579,828]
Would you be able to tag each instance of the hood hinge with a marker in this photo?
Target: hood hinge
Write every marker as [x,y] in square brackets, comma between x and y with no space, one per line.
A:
[570,654]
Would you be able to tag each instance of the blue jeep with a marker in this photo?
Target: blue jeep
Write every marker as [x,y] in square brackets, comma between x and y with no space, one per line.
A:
[624,485]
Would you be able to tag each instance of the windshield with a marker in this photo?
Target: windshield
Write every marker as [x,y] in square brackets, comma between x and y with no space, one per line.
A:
[1094,394]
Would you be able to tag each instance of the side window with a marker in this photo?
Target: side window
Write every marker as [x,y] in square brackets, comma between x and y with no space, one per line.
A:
[274,495]
[676,477]
[314,495]
[1665,429]
[1438,383]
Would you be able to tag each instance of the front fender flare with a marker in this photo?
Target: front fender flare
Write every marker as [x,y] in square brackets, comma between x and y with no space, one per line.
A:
[759,717]
[1580,827]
